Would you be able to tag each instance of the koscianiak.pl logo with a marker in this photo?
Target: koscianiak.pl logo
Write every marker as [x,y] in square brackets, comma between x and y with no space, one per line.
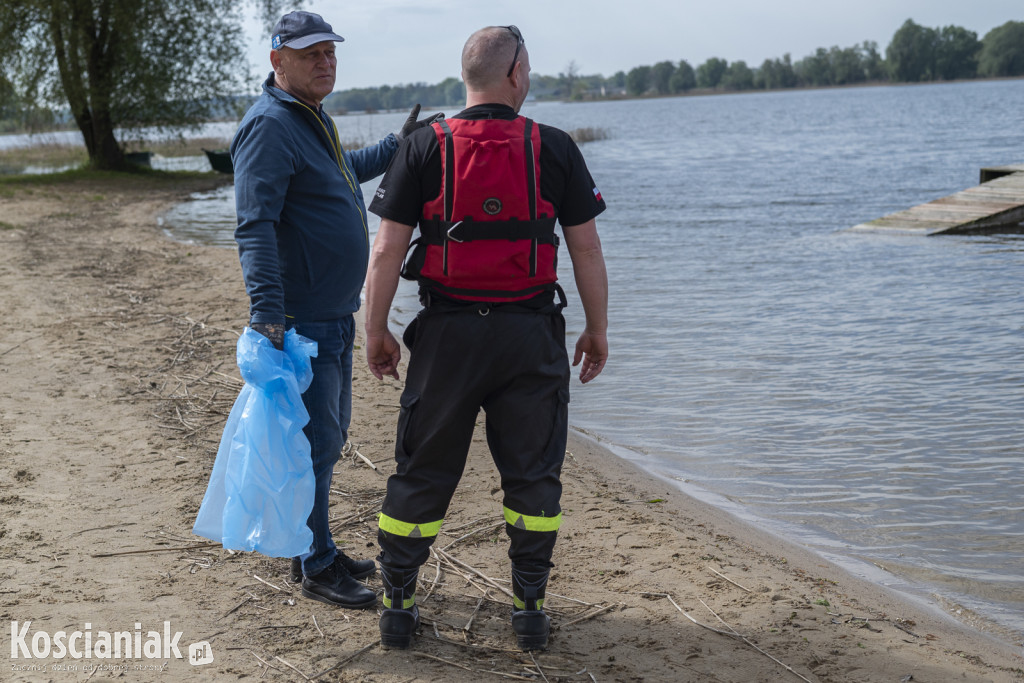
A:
[69,647]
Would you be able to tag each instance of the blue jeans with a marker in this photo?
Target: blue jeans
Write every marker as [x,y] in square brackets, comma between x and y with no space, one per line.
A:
[329,402]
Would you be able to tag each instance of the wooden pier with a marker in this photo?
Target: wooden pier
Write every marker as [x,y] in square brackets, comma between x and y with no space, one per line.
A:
[996,205]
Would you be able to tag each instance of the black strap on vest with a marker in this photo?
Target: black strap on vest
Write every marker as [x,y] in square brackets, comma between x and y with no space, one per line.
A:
[531,169]
[449,170]
[461,292]
[438,231]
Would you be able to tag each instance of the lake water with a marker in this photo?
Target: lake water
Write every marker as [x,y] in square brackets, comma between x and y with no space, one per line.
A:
[861,394]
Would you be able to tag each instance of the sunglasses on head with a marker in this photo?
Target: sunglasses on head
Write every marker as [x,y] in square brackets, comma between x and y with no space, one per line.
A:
[520,42]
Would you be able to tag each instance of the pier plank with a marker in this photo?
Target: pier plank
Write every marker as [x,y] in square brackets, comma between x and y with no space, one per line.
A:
[998,203]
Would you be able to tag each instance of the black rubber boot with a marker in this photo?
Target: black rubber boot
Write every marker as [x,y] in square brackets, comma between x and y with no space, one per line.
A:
[400,617]
[530,623]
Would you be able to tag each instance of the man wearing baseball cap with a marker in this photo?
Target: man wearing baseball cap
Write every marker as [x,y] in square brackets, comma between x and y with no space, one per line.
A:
[303,244]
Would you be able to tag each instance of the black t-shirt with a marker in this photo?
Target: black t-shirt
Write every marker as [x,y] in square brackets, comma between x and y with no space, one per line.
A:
[414,176]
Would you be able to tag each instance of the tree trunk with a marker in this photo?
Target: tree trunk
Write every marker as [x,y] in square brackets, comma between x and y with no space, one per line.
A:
[107,155]
[83,66]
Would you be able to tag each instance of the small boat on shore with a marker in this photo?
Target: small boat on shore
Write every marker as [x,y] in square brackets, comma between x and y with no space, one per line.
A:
[220,160]
[144,159]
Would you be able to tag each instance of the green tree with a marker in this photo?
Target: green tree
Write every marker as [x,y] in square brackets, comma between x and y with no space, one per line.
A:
[453,91]
[874,65]
[911,54]
[776,73]
[638,80]
[815,69]
[683,78]
[738,77]
[661,77]
[121,65]
[8,100]
[711,72]
[1002,51]
[847,65]
[956,53]
[568,78]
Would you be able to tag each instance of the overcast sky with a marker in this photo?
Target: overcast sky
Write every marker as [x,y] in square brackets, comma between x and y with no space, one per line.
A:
[408,41]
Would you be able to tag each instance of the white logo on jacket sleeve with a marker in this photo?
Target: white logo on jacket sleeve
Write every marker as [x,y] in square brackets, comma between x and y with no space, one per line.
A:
[380,193]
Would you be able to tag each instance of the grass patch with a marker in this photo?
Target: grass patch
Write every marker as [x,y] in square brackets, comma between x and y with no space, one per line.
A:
[60,155]
[84,174]
[50,154]
[191,147]
[588,134]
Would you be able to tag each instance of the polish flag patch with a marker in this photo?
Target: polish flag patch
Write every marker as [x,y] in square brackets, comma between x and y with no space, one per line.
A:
[597,194]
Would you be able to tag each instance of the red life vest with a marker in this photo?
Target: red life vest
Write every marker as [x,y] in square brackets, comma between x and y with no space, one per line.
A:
[488,236]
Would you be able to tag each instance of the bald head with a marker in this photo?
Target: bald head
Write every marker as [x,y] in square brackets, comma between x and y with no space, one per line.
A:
[487,56]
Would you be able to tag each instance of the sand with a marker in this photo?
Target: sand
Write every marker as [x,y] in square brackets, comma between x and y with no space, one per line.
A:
[116,375]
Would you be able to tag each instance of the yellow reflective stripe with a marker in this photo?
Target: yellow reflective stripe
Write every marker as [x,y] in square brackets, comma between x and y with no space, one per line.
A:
[408,529]
[520,604]
[406,604]
[531,523]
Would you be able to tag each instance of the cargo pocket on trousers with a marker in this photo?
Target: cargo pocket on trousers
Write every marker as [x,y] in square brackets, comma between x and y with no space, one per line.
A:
[408,403]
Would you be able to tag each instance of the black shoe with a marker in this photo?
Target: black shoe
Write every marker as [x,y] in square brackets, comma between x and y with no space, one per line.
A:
[397,627]
[532,628]
[358,569]
[335,586]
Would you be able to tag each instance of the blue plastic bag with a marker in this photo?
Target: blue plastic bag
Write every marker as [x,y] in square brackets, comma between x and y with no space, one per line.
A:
[262,485]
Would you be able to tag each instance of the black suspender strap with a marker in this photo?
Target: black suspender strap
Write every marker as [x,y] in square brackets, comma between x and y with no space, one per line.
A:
[449,170]
[531,189]
[531,169]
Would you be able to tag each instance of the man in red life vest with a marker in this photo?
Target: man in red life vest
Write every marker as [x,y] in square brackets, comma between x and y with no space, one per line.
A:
[485,188]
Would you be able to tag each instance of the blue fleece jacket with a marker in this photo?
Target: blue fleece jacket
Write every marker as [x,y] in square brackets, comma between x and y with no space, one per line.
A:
[302,234]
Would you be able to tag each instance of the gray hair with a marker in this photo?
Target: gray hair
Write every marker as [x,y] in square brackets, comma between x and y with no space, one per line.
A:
[487,56]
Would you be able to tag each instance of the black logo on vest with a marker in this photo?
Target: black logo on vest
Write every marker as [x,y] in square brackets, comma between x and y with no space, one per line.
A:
[492,206]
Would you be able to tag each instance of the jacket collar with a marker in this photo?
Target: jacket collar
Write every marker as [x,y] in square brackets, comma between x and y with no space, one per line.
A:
[270,89]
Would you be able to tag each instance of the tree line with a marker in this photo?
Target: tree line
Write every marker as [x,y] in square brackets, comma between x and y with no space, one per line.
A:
[915,54]
[116,67]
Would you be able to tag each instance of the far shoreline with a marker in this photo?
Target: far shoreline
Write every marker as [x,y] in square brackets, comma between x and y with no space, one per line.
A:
[694,92]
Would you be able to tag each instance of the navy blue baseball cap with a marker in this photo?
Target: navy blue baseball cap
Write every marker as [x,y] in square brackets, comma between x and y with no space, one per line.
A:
[301,29]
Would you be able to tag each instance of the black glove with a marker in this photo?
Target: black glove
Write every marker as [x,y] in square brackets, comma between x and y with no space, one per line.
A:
[272,331]
[411,124]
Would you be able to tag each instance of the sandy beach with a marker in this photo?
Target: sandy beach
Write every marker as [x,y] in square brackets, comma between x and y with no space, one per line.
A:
[117,371]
